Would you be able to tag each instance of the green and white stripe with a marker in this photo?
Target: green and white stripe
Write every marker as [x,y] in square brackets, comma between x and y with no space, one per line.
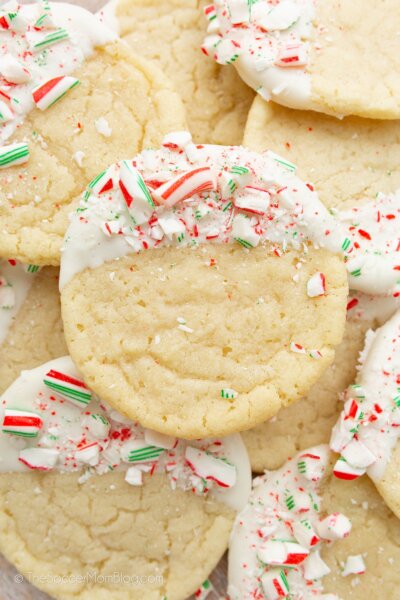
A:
[13,154]
[282,161]
[49,39]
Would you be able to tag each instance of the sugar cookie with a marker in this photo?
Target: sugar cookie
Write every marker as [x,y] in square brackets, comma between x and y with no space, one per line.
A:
[151,332]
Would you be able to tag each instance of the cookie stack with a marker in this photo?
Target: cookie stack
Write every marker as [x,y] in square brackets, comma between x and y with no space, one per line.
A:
[178,311]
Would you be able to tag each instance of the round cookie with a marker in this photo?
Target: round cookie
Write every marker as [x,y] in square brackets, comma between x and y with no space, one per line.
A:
[158,341]
[311,54]
[33,334]
[121,104]
[347,160]
[170,33]
[356,563]
[154,527]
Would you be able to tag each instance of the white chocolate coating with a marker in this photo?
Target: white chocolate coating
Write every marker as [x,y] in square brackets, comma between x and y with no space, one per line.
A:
[262,203]
[368,427]
[281,530]
[24,67]
[94,439]
[268,43]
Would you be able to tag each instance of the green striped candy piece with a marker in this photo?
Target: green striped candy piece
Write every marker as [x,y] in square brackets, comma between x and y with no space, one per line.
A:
[290,503]
[244,243]
[32,268]
[72,394]
[52,38]
[145,454]
[10,155]
[346,244]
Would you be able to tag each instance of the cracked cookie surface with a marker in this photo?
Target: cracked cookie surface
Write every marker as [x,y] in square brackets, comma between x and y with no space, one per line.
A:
[139,106]
[105,526]
[36,335]
[171,34]
[123,328]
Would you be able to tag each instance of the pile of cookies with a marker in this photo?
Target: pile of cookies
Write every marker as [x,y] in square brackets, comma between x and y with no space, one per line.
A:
[200,299]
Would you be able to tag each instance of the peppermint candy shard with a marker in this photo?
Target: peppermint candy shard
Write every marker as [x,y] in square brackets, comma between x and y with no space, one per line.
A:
[21,422]
[52,90]
[228,393]
[184,186]
[209,467]
[49,39]
[137,451]
[282,553]
[343,470]
[275,585]
[39,459]
[204,590]
[100,184]
[68,387]
[135,192]
[13,154]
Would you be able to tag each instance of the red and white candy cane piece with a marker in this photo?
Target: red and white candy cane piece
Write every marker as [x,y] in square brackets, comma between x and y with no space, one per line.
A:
[354,565]
[276,552]
[292,55]
[297,348]
[275,584]
[230,180]
[305,533]
[204,590]
[6,114]
[210,44]
[344,470]
[182,140]
[97,425]
[227,52]
[358,455]
[48,93]
[298,501]
[160,440]
[253,200]
[135,192]
[334,527]
[243,232]
[316,285]
[13,71]
[312,464]
[315,567]
[210,467]
[68,387]
[88,454]
[210,12]
[103,182]
[21,422]
[184,186]
[177,140]
[239,11]
[13,21]
[39,459]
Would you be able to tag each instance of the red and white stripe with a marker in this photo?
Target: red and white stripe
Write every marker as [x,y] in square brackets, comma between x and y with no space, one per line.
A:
[39,459]
[184,186]
[52,90]
[21,422]
[210,467]
[292,55]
